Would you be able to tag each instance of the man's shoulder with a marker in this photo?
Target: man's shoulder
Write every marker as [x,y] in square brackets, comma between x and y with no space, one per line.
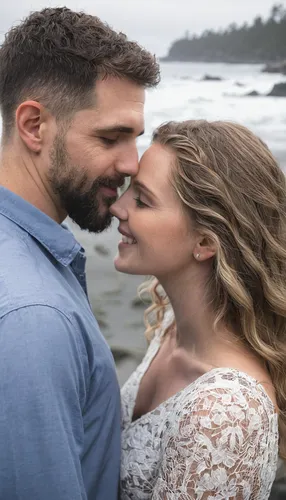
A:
[30,279]
[17,247]
[26,273]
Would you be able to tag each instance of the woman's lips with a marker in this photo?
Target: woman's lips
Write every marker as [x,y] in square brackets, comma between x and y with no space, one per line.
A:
[127,238]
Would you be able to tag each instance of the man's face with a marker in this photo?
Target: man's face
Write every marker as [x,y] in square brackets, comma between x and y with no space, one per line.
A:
[90,160]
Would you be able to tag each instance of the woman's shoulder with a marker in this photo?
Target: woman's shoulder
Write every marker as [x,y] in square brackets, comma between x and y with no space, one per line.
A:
[229,385]
[222,438]
[225,413]
[228,397]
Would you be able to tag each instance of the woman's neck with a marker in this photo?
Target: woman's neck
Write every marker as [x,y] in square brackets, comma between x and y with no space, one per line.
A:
[198,345]
[194,316]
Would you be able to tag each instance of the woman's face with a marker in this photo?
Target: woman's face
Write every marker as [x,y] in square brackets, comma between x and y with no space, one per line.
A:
[158,238]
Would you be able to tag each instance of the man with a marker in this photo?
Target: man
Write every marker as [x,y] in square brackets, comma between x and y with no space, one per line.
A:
[72,98]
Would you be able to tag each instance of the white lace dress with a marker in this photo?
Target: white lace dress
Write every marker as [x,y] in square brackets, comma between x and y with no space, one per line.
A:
[217,439]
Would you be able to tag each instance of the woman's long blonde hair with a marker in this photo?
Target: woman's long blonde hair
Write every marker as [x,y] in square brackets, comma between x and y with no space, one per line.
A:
[236,193]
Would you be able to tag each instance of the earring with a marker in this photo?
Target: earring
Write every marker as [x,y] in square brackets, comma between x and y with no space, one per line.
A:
[198,256]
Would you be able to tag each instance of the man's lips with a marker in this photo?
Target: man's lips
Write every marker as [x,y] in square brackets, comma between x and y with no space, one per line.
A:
[111,188]
[109,191]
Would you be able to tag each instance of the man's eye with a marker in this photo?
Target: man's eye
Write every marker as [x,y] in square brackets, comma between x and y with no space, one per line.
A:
[108,141]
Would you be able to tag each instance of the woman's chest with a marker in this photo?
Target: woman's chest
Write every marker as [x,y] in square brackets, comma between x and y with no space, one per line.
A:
[142,449]
[167,374]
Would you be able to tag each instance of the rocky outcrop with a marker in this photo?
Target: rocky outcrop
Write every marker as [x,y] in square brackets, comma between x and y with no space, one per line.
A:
[210,78]
[276,67]
[279,90]
[122,353]
[253,93]
[279,490]
[101,250]
[239,84]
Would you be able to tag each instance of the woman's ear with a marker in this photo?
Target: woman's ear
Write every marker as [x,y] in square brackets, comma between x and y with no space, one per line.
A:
[204,249]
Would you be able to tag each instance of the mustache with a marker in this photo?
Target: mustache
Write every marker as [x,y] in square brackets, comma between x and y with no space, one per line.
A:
[112,183]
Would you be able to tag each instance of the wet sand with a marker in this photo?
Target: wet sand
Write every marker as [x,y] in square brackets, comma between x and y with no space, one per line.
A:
[113,297]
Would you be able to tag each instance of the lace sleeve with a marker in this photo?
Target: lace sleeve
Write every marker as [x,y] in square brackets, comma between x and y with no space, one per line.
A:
[219,448]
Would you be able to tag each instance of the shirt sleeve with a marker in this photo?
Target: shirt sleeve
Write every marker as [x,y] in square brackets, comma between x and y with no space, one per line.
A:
[41,392]
[220,447]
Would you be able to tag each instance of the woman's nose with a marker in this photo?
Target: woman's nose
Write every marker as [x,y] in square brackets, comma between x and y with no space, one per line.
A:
[119,209]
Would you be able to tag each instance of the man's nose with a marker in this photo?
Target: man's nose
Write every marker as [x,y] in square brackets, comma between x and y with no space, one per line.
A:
[127,162]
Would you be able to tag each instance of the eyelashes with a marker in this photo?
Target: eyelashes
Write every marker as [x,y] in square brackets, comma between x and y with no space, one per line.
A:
[139,203]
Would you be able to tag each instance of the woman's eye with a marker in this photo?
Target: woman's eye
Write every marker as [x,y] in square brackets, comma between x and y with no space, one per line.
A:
[139,203]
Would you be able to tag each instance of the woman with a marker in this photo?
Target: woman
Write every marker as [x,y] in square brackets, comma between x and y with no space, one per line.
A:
[206,216]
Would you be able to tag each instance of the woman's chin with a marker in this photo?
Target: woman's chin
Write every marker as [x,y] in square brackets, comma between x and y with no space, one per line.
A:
[123,266]
[120,265]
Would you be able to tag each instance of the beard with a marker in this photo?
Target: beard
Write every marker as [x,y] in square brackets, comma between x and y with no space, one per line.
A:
[80,198]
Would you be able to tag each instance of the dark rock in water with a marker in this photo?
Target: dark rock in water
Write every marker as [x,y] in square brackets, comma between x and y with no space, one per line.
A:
[101,250]
[276,67]
[239,84]
[253,93]
[121,354]
[102,324]
[279,90]
[210,78]
[278,490]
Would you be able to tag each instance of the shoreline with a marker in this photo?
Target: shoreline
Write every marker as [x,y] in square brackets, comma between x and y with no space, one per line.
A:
[213,61]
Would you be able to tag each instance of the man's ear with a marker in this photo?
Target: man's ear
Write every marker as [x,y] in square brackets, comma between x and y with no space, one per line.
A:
[31,119]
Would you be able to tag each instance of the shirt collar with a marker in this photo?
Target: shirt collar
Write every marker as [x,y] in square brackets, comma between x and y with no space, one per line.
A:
[56,238]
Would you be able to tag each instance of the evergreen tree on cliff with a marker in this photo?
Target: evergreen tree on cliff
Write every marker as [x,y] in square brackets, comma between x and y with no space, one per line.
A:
[262,41]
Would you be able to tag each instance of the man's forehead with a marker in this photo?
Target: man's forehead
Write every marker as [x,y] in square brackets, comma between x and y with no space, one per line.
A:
[120,104]
[119,92]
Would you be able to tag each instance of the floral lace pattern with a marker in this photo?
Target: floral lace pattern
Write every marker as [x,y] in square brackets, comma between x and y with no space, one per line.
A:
[217,439]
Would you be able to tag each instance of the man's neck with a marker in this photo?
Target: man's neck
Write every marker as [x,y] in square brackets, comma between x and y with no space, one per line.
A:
[20,175]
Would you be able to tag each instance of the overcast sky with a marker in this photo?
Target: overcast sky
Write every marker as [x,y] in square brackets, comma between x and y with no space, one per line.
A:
[154,23]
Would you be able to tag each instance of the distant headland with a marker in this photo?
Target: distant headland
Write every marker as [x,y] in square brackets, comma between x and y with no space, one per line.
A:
[262,41]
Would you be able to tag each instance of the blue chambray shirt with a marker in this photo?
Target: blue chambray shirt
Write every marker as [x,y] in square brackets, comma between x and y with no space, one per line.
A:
[59,395]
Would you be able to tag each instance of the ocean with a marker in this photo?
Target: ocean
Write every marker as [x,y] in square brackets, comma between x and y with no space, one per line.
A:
[180,96]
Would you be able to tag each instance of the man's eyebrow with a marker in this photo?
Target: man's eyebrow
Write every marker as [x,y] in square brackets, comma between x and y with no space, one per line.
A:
[140,185]
[118,129]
